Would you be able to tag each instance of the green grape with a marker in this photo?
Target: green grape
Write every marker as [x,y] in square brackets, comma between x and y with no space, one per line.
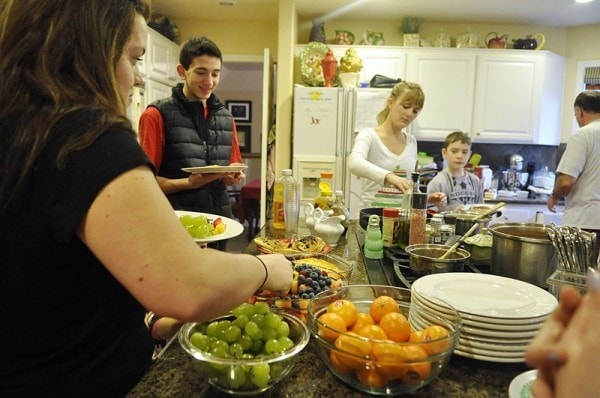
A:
[271,346]
[213,329]
[232,333]
[235,377]
[257,346]
[200,341]
[245,341]
[260,375]
[284,343]
[277,369]
[269,333]
[251,329]
[220,352]
[236,350]
[261,307]
[220,344]
[272,320]
[203,231]
[244,309]
[241,321]
[283,329]
[186,220]
[259,319]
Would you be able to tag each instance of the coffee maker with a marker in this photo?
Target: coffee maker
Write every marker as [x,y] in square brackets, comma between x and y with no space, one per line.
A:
[514,179]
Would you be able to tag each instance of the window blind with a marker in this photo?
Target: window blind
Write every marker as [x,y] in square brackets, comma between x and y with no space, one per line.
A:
[592,75]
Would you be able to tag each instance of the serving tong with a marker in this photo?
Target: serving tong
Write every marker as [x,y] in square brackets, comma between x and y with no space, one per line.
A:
[574,247]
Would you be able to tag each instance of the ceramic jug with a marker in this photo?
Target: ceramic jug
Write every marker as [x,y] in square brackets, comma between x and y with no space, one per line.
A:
[530,42]
[330,229]
[372,38]
[492,40]
[309,218]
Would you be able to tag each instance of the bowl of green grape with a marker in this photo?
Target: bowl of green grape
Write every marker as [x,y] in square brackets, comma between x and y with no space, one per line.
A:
[247,351]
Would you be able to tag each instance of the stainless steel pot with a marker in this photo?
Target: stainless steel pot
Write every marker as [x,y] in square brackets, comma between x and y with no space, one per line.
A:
[522,251]
[464,221]
[425,259]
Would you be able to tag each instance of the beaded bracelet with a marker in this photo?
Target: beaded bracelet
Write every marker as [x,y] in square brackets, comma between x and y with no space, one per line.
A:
[266,271]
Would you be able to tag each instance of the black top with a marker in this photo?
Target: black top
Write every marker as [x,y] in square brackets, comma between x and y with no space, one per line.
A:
[67,327]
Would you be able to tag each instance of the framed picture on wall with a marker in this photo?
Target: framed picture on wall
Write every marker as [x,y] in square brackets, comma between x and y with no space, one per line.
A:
[244,133]
[241,110]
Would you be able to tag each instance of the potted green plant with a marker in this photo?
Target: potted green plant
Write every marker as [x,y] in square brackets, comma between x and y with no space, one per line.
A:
[410,28]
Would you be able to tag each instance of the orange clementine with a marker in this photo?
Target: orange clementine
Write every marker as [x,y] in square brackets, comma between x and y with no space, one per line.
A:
[330,326]
[373,332]
[389,356]
[417,368]
[369,376]
[381,306]
[333,357]
[396,326]
[435,339]
[344,308]
[356,347]
[362,319]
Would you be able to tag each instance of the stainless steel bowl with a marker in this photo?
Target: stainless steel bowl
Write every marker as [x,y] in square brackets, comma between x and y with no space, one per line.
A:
[425,259]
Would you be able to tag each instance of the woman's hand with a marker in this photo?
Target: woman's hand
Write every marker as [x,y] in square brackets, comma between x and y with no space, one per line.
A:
[403,184]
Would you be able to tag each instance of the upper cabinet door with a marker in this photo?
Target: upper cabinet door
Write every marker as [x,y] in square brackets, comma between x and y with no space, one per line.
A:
[447,79]
[518,98]
[162,57]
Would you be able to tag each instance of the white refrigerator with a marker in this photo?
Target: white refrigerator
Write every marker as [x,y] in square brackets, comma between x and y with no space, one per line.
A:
[325,124]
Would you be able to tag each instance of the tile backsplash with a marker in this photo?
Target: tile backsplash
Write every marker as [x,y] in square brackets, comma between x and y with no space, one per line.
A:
[494,155]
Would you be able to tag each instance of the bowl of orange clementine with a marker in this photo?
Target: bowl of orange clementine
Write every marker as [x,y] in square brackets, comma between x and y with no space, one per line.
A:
[372,338]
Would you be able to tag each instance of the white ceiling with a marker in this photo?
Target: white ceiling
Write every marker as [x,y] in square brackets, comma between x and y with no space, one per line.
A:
[556,13]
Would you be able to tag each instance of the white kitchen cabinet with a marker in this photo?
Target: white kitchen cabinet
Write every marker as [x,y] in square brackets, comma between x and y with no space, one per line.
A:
[518,97]
[447,79]
[161,59]
[156,90]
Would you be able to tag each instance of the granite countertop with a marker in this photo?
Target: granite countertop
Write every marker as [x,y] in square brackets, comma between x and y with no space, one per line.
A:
[173,374]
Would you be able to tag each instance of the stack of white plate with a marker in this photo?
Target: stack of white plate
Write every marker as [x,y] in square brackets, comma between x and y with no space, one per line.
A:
[500,315]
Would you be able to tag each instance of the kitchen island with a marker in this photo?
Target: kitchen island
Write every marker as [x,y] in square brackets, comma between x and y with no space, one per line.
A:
[174,372]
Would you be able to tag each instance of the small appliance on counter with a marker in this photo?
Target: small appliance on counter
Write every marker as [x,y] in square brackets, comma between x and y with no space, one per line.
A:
[514,179]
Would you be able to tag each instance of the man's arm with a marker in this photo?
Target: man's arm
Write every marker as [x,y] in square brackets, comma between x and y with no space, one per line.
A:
[562,187]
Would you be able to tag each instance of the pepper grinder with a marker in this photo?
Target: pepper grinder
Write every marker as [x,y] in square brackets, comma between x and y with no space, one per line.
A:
[373,241]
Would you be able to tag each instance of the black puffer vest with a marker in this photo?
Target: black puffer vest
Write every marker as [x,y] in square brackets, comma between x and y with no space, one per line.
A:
[192,141]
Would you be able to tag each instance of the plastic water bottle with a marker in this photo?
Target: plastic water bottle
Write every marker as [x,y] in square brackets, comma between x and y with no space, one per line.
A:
[278,208]
[291,203]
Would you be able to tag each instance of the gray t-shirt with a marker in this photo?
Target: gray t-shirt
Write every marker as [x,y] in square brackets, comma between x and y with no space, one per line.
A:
[465,190]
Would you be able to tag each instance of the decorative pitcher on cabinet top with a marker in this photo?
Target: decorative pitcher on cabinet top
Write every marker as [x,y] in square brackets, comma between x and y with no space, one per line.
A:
[492,40]
[530,42]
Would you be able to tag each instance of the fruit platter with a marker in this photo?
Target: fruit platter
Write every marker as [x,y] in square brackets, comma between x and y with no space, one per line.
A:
[205,227]
[289,246]
[313,273]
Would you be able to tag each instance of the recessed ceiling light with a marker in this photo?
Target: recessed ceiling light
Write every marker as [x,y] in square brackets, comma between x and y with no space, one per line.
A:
[226,2]
[583,1]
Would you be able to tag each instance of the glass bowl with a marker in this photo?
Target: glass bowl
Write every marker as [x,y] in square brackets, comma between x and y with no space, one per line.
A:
[295,302]
[382,366]
[236,375]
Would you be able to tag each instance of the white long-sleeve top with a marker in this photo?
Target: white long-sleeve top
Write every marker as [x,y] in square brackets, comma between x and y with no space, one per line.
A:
[371,160]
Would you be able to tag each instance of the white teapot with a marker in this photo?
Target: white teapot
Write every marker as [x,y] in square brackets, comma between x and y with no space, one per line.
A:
[313,216]
[330,229]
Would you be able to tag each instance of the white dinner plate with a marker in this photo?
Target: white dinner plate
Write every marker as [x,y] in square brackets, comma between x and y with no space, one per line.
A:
[433,303]
[215,169]
[233,228]
[520,386]
[488,358]
[479,324]
[493,354]
[487,295]
[462,342]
